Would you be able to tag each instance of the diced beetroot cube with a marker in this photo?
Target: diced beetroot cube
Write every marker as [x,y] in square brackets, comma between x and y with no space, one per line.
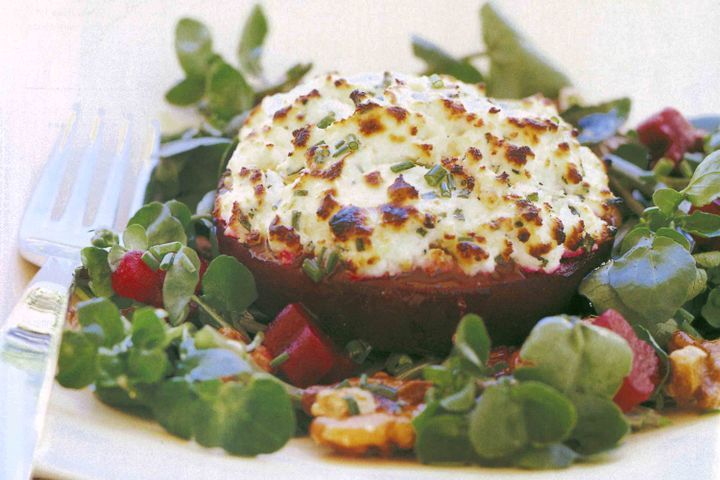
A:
[285,328]
[668,134]
[645,374]
[343,367]
[134,279]
[310,357]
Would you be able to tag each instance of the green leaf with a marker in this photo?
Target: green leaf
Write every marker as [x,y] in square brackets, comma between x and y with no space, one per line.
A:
[187,91]
[147,366]
[598,127]
[460,401]
[647,284]
[600,425]
[148,330]
[439,61]
[100,318]
[635,153]
[703,186]
[516,69]
[703,224]
[77,362]
[252,40]
[545,458]
[621,106]
[180,282]
[472,340]
[193,46]
[228,285]
[574,356]
[159,223]
[259,417]
[674,235]
[176,407]
[228,94]
[211,364]
[135,238]
[509,417]
[667,200]
[711,310]
[180,211]
[444,439]
[95,260]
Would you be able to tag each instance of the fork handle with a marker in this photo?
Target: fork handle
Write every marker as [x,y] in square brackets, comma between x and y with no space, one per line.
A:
[29,342]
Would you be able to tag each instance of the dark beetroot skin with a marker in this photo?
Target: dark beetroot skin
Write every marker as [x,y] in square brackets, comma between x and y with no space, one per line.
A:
[416,313]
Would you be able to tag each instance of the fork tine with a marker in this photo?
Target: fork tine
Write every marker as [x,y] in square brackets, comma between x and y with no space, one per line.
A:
[108,208]
[77,204]
[46,190]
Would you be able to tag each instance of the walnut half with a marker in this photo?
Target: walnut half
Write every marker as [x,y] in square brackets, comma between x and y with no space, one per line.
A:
[694,371]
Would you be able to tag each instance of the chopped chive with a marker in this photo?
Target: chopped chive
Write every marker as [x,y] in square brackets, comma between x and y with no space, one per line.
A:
[340,151]
[533,197]
[295,172]
[459,215]
[399,167]
[436,81]
[435,175]
[353,408]
[332,262]
[321,153]
[340,144]
[300,193]
[465,239]
[344,384]
[363,380]
[296,219]
[279,360]
[327,120]
[464,193]
[358,350]
[354,145]
[421,231]
[383,390]
[428,195]
[445,190]
[359,244]
[398,363]
[149,259]
[321,258]
[450,181]
[312,270]
[167,261]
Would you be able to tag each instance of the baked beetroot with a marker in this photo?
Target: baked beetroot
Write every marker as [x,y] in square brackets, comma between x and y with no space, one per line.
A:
[416,312]
[668,134]
[639,385]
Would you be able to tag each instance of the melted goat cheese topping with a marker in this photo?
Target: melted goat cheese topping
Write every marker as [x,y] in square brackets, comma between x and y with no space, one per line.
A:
[350,164]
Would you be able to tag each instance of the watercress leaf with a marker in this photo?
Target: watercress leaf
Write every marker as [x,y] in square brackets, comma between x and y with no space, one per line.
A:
[77,362]
[674,235]
[597,127]
[472,340]
[251,41]
[549,415]
[516,68]
[553,456]
[439,61]
[600,424]
[653,279]
[147,366]
[259,416]
[187,91]
[211,364]
[118,397]
[444,439]
[497,423]
[667,200]
[621,106]
[703,187]
[635,153]
[135,238]
[640,233]
[573,356]
[102,317]
[228,285]
[708,259]
[460,401]
[95,260]
[711,310]
[180,211]
[654,218]
[148,330]
[702,224]
[193,46]
[175,406]
[180,282]
[159,223]
[228,93]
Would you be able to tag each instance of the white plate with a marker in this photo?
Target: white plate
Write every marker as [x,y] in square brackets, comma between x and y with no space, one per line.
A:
[86,440]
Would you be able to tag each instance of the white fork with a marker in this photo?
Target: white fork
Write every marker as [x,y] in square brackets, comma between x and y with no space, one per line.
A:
[52,233]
